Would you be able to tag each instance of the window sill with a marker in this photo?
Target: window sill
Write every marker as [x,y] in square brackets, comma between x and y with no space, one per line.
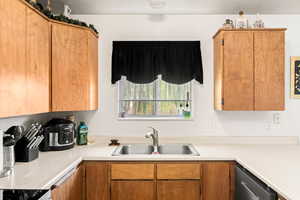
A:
[154,119]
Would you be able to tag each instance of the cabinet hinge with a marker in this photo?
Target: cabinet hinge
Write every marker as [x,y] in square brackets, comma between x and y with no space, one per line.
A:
[223,42]
[222,101]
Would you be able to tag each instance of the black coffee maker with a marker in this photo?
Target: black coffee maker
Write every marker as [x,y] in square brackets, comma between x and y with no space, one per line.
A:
[59,134]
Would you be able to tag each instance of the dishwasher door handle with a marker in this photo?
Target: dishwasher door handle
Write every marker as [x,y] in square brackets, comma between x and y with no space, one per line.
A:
[251,193]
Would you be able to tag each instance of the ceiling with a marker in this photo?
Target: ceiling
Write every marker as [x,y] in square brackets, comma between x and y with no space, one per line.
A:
[184,6]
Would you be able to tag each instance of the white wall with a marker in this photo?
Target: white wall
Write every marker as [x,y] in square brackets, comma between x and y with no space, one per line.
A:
[207,122]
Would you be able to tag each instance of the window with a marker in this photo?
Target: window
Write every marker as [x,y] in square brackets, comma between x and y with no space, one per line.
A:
[158,99]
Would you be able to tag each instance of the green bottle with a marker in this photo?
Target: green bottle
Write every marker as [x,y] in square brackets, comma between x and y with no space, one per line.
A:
[82,134]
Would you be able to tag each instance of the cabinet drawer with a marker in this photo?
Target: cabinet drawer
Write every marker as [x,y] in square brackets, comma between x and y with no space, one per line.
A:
[178,171]
[132,171]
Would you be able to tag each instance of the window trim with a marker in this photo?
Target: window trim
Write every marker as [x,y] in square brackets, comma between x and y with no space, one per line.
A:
[154,118]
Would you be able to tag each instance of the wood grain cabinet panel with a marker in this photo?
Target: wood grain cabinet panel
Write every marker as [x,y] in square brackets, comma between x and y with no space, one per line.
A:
[45,65]
[178,190]
[216,183]
[269,70]
[178,171]
[70,189]
[93,67]
[70,76]
[132,171]
[218,72]
[238,71]
[281,198]
[249,69]
[37,63]
[74,69]
[57,194]
[12,58]
[132,190]
[97,181]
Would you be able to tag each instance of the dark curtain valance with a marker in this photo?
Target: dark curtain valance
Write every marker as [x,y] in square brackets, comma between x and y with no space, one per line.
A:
[142,61]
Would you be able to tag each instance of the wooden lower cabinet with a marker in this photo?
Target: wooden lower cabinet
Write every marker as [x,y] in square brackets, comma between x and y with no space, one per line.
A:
[216,181]
[96,177]
[72,188]
[178,190]
[132,190]
[107,181]
[281,198]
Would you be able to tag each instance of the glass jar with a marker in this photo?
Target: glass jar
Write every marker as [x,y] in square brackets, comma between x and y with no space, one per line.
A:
[241,21]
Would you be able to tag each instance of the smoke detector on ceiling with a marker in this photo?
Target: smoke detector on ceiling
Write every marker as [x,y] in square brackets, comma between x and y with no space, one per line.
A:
[157,4]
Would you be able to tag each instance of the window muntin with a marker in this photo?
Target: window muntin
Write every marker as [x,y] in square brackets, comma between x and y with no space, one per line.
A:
[158,99]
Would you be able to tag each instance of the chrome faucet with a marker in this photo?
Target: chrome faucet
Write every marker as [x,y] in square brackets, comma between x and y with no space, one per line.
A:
[154,136]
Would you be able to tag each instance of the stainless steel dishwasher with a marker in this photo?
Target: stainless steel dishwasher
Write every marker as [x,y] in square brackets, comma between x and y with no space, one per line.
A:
[248,187]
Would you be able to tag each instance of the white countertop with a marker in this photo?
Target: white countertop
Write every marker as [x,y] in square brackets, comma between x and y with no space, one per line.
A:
[277,165]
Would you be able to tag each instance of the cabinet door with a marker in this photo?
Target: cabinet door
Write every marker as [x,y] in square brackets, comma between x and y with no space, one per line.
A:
[93,70]
[269,70]
[218,71]
[132,190]
[70,74]
[96,181]
[37,63]
[216,181]
[238,71]
[70,189]
[76,185]
[57,193]
[178,190]
[12,58]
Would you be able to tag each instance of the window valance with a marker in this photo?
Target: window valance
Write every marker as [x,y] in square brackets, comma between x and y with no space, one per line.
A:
[141,62]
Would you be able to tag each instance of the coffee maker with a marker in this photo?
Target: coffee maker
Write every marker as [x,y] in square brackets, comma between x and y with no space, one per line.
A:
[59,134]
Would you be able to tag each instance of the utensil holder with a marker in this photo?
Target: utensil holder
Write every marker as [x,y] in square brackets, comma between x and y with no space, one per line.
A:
[23,153]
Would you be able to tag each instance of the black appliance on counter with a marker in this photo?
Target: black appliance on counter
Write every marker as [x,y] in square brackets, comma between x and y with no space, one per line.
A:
[248,187]
[25,195]
[59,134]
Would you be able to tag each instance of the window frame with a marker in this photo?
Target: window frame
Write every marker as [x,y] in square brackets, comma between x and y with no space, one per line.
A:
[154,117]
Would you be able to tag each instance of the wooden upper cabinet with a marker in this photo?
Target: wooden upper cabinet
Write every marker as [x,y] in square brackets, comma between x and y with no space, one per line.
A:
[269,70]
[249,69]
[238,71]
[93,67]
[12,58]
[29,84]
[74,69]
[37,63]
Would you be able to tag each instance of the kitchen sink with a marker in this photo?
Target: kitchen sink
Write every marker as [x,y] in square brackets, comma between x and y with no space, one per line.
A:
[134,149]
[165,149]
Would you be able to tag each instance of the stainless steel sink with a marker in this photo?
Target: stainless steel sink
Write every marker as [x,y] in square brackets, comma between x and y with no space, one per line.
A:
[134,149]
[165,149]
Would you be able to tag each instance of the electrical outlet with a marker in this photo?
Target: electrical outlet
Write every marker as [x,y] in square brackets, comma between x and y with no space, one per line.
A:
[276,118]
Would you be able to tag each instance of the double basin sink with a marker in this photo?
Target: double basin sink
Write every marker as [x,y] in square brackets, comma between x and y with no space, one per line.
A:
[165,149]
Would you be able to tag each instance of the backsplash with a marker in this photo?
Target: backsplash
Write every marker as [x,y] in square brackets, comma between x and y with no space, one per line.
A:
[27,120]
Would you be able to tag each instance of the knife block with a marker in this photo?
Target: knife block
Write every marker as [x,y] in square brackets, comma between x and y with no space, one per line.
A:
[23,153]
